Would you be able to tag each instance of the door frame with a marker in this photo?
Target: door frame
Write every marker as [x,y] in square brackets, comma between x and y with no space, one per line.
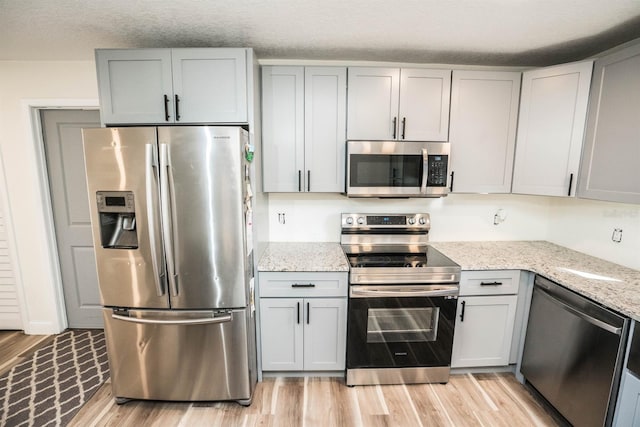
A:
[31,109]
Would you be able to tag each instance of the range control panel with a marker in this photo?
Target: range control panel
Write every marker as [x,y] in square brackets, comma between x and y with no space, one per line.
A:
[363,221]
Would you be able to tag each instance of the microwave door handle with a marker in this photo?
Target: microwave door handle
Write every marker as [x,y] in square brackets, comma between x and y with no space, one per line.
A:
[425,171]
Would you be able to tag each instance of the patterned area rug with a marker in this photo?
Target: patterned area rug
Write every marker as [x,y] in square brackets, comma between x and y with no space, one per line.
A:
[50,387]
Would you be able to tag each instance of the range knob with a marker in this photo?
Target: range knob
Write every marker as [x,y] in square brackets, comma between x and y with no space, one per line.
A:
[411,221]
[361,220]
[349,220]
[422,221]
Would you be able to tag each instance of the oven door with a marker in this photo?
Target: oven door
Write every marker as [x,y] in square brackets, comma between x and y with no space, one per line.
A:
[400,331]
[396,169]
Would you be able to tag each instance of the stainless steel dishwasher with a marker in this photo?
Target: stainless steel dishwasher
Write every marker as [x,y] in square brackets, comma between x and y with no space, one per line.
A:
[573,353]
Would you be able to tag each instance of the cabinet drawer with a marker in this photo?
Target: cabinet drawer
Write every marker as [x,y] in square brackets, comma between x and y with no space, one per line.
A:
[302,284]
[489,282]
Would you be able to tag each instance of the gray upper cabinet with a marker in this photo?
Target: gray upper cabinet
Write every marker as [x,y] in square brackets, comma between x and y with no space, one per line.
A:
[405,104]
[156,86]
[553,108]
[484,117]
[304,116]
[610,168]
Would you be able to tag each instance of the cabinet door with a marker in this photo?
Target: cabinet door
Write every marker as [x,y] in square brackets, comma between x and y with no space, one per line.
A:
[283,128]
[553,111]
[210,85]
[611,158]
[628,410]
[373,103]
[325,334]
[325,103]
[483,331]
[484,118]
[281,333]
[133,85]
[424,104]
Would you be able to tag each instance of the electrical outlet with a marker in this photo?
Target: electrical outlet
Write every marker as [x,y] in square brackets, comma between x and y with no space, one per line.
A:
[617,235]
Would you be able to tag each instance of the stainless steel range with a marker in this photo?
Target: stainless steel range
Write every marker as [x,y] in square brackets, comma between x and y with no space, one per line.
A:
[402,300]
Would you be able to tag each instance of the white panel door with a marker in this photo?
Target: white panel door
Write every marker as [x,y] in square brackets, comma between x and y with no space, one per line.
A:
[283,128]
[281,334]
[325,103]
[424,104]
[210,85]
[373,103]
[62,132]
[325,334]
[483,331]
[610,167]
[553,109]
[484,118]
[135,85]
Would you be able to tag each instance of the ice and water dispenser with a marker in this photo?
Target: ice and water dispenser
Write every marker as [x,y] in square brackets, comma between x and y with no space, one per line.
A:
[117,219]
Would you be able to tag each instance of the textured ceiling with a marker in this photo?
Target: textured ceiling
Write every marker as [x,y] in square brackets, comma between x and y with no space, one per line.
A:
[489,32]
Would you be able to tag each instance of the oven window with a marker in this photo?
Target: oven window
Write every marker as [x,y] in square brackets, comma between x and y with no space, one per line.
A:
[384,170]
[385,325]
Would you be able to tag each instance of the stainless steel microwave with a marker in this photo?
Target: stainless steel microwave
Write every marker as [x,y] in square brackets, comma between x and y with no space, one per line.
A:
[397,169]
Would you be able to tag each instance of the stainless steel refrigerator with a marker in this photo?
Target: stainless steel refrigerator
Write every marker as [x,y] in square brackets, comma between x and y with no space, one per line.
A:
[171,217]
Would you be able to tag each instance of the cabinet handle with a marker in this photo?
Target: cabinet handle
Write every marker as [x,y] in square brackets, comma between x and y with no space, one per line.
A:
[308,180]
[177,109]
[298,312]
[462,314]
[303,285]
[570,184]
[490,283]
[451,185]
[395,120]
[308,315]
[299,180]
[404,126]
[166,108]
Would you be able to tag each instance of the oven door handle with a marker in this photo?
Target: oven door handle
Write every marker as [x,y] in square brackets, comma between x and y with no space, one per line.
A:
[402,291]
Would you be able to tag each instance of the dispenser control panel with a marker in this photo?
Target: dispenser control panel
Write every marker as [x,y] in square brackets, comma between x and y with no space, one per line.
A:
[115,201]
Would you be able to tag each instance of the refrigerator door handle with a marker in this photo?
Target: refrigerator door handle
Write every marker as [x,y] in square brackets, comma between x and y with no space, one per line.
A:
[198,321]
[165,208]
[151,162]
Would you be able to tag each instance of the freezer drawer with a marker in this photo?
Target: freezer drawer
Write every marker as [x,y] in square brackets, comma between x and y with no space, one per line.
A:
[179,355]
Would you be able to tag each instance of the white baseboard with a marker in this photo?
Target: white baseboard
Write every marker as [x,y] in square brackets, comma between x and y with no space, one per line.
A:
[42,328]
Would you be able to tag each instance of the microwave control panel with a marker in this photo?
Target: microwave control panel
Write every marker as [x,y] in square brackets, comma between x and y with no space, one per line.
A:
[437,170]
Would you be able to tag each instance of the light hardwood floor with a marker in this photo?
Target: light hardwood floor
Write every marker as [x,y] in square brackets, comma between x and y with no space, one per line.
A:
[466,400]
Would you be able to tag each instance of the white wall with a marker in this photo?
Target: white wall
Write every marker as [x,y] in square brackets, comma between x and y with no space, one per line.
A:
[21,84]
[316,217]
[587,226]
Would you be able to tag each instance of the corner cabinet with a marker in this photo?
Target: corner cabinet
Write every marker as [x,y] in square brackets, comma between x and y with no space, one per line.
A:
[553,108]
[485,318]
[610,167]
[303,321]
[484,118]
[167,86]
[409,104]
[304,117]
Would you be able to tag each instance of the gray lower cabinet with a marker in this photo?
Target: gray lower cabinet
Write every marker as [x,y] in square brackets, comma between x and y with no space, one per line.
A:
[610,168]
[303,321]
[628,410]
[485,318]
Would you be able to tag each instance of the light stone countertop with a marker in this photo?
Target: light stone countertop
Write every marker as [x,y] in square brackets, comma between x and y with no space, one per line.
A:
[296,256]
[612,285]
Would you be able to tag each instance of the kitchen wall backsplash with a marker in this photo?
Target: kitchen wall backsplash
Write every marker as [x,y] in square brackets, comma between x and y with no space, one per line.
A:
[588,226]
[316,217]
[583,225]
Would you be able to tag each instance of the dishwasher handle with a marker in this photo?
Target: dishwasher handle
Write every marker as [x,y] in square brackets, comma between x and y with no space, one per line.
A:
[596,322]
